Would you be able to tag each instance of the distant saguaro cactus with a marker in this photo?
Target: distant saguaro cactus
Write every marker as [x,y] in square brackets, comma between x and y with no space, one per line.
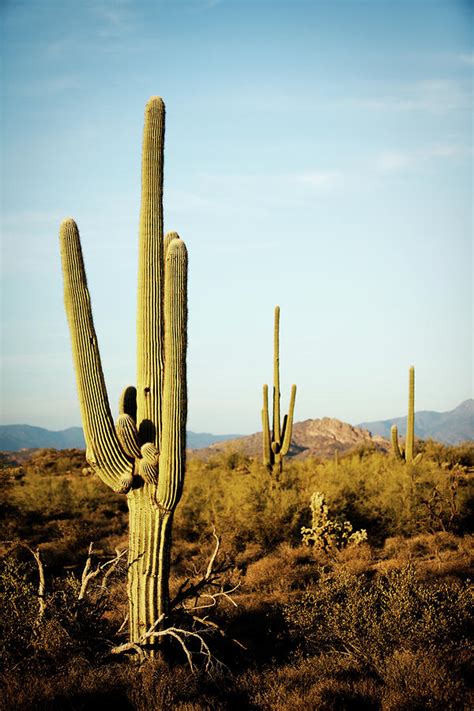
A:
[407,455]
[143,456]
[276,442]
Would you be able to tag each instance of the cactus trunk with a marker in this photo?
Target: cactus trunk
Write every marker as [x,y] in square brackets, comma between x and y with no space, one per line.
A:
[407,455]
[144,454]
[276,442]
[410,438]
[149,563]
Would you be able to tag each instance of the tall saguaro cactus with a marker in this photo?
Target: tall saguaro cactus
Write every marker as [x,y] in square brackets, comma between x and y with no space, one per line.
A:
[276,442]
[407,455]
[143,455]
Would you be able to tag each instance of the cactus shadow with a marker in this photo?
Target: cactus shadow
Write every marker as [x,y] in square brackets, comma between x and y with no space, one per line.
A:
[146,432]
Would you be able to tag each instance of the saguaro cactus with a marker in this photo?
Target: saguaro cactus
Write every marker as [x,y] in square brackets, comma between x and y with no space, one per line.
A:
[407,455]
[276,442]
[143,456]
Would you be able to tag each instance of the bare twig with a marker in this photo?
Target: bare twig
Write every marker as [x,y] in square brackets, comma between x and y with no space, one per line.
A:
[41,581]
[88,574]
[212,578]
[122,626]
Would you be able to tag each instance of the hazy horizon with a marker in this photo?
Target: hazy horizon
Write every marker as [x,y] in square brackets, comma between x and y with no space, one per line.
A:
[318,156]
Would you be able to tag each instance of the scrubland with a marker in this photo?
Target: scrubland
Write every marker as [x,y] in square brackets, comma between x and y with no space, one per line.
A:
[377,620]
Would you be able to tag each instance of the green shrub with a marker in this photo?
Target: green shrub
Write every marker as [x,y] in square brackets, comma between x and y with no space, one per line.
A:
[372,617]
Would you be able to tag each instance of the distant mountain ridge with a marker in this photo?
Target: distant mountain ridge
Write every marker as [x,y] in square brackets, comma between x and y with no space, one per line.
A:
[318,437]
[16,437]
[450,427]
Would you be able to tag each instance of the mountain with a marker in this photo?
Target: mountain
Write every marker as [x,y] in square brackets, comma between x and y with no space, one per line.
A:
[448,427]
[16,437]
[197,440]
[310,438]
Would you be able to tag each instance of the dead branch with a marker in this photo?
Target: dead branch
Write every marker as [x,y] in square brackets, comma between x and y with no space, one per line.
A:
[88,574]
[122,626]
[41,581]
[181,635]
[212,578]
[205,593]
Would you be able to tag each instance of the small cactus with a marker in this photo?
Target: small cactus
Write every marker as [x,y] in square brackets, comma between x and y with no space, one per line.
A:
[276,442]
[143,455]
[407,455]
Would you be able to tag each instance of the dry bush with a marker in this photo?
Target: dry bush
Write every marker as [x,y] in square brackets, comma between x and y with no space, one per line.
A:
[326,683]
[282,570]
[374,618]
[424,680]
[438,553]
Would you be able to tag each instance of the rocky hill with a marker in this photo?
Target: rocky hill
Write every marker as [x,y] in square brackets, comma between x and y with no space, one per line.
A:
[311,438]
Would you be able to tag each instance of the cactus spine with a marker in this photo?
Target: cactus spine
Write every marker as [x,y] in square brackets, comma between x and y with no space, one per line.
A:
[143,456]
[407,455]
[276,442]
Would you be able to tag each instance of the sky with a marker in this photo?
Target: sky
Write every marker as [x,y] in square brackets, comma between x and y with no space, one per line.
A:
[318,156]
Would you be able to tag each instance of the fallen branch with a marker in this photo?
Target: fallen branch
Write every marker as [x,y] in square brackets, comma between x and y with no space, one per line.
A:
[180,635]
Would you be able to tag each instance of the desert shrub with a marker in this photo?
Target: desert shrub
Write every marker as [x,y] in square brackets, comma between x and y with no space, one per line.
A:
[62,512]
[68,626]
[19,605]
[284,569]
[388,498]
[449,455]
[325,683]
[372,617]
[244,504]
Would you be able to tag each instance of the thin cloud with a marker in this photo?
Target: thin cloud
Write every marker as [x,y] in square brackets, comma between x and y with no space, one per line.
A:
[319,181]
[50,86]
[434,96]
[203,5]
[392,161]
[117,18]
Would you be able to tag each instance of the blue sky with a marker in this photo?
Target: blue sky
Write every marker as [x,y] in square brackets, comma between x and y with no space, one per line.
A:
[318,156]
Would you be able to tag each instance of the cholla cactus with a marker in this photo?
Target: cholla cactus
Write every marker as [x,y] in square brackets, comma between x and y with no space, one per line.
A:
[276,442]
[407,455]
[143,456]
[325,533]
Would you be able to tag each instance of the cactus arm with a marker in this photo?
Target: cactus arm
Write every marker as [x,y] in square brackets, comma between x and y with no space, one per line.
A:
[410,438]
[150,277]
[169,237]
[276,377]
[394,439]
[173,450]
[288,424]
[104,452]
[267,451]
[128,436]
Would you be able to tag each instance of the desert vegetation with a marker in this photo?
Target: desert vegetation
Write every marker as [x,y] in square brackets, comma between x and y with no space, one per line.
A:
[335,584]
[290,619]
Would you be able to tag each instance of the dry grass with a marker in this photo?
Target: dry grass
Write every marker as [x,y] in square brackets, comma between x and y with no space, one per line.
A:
[288,663]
